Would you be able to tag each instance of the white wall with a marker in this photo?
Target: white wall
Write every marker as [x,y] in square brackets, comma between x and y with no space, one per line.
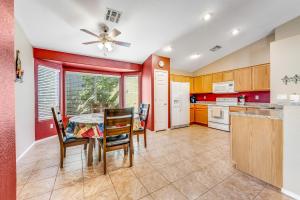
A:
[24,101]
[291,155]
[285,60]
[253,54]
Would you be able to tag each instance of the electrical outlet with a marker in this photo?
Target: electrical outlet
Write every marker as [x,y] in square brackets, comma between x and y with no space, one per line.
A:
[204,97]
[51,125]
[256,97]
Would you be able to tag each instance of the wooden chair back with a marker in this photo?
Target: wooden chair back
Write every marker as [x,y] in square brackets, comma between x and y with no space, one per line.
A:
[59,125]
[144,112]
[118,122]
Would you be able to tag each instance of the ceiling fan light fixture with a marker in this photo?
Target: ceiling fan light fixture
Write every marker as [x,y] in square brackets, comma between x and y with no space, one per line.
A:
[108,46]
[100,46]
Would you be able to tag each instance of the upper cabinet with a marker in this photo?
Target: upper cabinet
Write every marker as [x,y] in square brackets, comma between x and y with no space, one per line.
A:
[243,79]
[256,78]
[217,77]
[228,75]
[261,77]
[198,84]
[207,83]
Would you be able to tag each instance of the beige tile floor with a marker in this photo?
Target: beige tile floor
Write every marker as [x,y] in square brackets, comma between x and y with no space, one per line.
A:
[187,163]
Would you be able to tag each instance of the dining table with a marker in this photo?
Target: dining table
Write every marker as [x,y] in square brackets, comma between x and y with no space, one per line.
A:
[91,126]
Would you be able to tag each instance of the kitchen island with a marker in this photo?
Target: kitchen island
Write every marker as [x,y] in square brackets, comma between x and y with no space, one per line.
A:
[257,144]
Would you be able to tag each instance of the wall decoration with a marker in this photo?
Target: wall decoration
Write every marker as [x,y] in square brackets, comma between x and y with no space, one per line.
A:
[294,79]
[19,71]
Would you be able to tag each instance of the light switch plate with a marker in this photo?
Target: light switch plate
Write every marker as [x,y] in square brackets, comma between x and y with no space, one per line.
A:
[51,125]
[256,97]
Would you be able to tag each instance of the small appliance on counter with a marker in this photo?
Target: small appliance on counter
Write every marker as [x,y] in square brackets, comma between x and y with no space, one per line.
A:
[242,100]
[193,99]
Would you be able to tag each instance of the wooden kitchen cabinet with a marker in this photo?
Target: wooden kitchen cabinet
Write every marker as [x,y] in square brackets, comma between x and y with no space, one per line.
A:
[237,109]
[198,84]
[261,77]
[191,85]
[201,114]
[257,147]
[217,77]
[192,114]
[228,76]
[207,83]
[243,79]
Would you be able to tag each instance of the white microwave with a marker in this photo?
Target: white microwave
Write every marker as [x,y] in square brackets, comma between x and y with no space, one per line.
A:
[223,87]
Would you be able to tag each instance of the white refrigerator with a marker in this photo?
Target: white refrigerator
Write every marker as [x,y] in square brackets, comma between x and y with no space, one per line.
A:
[180,104]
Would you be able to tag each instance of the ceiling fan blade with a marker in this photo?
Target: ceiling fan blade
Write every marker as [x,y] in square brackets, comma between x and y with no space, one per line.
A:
[89,32]
[92,42]
[114,33]
[125,44]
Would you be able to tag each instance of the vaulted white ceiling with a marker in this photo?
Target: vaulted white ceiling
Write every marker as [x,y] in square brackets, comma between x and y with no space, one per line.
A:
[150,25]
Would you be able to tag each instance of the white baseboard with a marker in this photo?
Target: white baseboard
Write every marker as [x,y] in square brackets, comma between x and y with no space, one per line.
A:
[26,150]
[291,194]
[35,142]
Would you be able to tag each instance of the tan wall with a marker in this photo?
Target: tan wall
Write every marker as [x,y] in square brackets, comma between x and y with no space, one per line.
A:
[285,60]
[178,72]
[288,29]
[24,93]
[254,54]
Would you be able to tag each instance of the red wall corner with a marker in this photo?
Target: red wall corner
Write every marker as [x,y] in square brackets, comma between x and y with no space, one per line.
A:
[7,99]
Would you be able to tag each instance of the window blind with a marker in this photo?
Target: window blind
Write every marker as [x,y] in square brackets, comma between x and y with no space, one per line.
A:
[48,91]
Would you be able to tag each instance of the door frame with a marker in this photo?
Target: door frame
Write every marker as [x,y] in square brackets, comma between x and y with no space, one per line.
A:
[168,97]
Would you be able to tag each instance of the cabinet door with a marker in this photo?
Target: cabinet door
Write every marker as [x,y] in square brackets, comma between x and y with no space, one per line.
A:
[191,85]
[192,115]
[228,76]
[261,77]
[237,109]
[201,115]
[206,84]
[197,84]
[217,77]
[243,79]
[240,142]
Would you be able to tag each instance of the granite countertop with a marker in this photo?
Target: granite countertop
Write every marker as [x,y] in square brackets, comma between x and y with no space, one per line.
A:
[263,113]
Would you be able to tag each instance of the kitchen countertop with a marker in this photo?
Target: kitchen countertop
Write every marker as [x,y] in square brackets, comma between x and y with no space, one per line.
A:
[263,113]
[246,105]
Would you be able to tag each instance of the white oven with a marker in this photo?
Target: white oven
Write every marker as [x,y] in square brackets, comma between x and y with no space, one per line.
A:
[218,115]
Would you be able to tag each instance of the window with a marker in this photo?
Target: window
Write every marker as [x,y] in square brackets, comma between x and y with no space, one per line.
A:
[48,91]
[131,84]
[87,93]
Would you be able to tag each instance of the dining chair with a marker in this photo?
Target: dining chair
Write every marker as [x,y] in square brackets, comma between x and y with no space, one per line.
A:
[117,132]
[65,139]
[143,115]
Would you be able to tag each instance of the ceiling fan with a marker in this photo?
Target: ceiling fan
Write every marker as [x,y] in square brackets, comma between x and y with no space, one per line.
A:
[105,39]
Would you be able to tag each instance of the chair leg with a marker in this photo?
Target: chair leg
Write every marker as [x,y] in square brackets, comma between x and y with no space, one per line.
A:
[61,157]
[104,160]
[145,139]
[65,151]
[99,153]
[138,136]
[85,146]
[130,153]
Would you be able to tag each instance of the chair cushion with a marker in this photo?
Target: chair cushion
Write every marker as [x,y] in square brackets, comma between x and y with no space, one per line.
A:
[71,138]
[116,140]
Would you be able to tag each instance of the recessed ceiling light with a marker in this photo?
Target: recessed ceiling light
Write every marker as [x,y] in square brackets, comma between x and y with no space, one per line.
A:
[195,56]
[235,32]
[168,49]
[207,17]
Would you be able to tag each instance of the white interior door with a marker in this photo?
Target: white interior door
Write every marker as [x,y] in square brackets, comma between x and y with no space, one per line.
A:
[161,100]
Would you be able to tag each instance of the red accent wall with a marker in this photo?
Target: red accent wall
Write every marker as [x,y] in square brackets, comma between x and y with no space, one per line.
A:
[148,85]
[7,105]
[86,62]
[264,97]
[78,63]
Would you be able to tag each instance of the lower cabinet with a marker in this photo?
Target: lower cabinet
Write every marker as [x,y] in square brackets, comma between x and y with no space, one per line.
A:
[192,115]
[257,147]
[201,114]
